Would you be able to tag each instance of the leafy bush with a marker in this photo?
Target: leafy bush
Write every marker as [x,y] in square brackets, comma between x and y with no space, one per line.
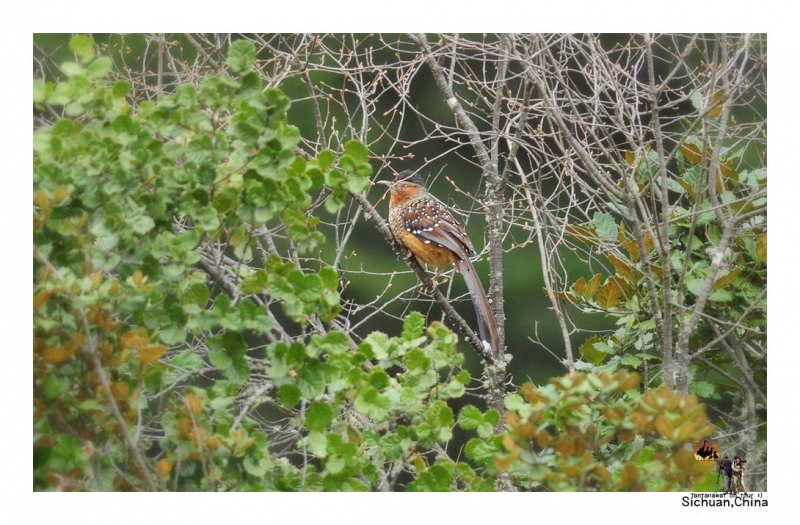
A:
[176,349]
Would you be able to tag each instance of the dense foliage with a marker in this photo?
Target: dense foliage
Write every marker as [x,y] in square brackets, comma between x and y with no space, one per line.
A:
[189,330]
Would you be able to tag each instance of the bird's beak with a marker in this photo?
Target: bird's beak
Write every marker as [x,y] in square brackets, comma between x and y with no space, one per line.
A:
[384,182]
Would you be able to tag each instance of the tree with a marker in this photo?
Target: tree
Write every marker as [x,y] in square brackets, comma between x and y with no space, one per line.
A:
[190,330]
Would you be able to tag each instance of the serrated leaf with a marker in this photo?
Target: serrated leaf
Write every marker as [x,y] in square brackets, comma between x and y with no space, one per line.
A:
[289,395]
[631,360]
[609,295]
[319,416]
[241,56]
[470,417]
[220,358]
[702,388]
[413,326]
[143,225]
[335,464]
[325,159]
[330,277]
[317,444]
[478,450]
[83,46]
[591,353]
[99,68]
[255,282]
[172,335]
[357,151]
[605,227]
[373,404]
[761,248]
[485,430]
[725,280]
[197,294]
[257,468]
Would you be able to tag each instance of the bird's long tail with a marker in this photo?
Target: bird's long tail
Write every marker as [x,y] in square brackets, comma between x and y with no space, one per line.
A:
[487,327]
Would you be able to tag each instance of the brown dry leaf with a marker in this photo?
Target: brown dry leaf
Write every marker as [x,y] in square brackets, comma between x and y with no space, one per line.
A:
[151,354]
[56,355]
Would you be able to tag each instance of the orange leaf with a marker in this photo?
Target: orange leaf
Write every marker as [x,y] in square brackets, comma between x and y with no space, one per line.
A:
[120,390]
[761,248]
[543,438]
[75,343]
[194,403]
[582,233]
[725,280]
[691,152]
[164,467]
[40,299]
[609,295]
[579,286]
[512,419]
[509,443]
[664,426]
[502,463]
[41,199]
[61,194]
[56,356]
[151,354]
[716,104]
[134,339]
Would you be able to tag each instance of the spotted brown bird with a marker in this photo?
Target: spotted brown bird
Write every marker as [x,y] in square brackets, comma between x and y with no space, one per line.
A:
[424,225]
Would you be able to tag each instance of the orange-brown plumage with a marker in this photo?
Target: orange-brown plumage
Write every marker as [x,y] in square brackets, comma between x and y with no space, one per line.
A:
[430,232]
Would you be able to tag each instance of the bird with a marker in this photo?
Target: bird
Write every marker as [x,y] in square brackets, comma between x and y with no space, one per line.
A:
[424,225]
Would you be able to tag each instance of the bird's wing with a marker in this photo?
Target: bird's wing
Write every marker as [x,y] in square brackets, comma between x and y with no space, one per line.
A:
[432,223]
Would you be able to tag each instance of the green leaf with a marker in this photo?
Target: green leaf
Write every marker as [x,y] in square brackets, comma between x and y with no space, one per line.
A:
[492,417]
[631,360]
[73,69]
[470,417]
[330,277]
[41,90]
[197,294]
[356,183]
[255,282]
[99,68]
[311,382]
[702,388]
[234,343]
[373,404]
[605,227]
[335,342]
[413,326]
[378,378]
[479,450]
[172,335]
[319,416]
[357,151]
[241,56]
[317,444]
[257,468]
[485,430]
[335,464]
[591,352]
[143,225]
[289,395]
[83,46]
[121,89]
[514,402]
[325,159]
[220,358]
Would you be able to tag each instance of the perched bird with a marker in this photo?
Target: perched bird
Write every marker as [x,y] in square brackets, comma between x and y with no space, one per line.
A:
[424,225]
